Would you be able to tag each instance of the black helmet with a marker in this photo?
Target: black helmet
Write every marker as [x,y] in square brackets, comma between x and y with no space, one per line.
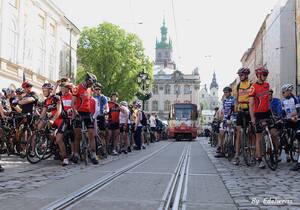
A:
[47,86]
[90,77]
[227,89]
[243,71]
[19,91]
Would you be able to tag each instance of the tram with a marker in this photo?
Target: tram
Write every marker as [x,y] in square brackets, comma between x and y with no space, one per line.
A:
[183,121]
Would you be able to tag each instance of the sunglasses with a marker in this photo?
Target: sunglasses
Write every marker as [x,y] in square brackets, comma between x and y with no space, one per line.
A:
[242,75]
[226,92]
[265,75]
[97,89]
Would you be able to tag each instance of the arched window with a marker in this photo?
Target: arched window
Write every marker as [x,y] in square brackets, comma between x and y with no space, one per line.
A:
[187,89]
[13,41]
[167,89]
[155,89]
[146,108]
[154,105]
[167,105]
[41,58]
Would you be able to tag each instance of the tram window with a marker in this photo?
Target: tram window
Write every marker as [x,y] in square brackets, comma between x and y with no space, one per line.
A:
[183,114]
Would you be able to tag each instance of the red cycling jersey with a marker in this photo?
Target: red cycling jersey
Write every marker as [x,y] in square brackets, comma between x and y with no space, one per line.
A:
[51,106]
[93,106]
[260,92]
[67,102]
[83,98]
[114,112]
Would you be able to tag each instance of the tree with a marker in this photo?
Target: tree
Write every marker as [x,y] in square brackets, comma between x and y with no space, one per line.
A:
[115,57]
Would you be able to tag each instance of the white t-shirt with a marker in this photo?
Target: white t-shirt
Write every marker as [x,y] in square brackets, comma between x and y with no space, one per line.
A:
[123,115]
[152,121]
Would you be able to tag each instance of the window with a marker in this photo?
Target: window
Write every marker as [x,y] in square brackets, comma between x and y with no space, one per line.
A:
[187,89]
[202,95]
[177,89]
[155,89]
[12,41]
[14,3]
[52,29]
[154,106]
[41,58]
[41,21]
[167,89]
[146,108]
[167,106]
[51,68]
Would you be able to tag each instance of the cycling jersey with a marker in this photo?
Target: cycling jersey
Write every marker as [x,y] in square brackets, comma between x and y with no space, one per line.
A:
[67,103]
[243,89]
[114,112]
[83,98]
[290,106]
[228,107]
[123,116]
[101,102]
[51,105]
[276,108]
[260,92]
[28,108]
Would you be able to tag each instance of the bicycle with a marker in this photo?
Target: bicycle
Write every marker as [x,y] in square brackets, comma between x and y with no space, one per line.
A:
[229,139]
[214,134]
[268,147]
[247,144]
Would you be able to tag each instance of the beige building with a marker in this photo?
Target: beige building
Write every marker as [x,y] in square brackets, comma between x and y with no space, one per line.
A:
[36,41]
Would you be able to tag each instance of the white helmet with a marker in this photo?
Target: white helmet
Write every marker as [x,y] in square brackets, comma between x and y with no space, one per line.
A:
[287,87]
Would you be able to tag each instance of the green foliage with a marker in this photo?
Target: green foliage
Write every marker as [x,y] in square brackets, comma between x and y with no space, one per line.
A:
[115,57]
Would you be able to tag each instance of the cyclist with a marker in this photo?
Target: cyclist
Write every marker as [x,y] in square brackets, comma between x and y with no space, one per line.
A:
[124,129]
[101,106]
[29,100]
[291,111]
[228,108]
[260,109]
[53,106]
[138,128]
[114,121]
[81,101]
[153,126]
[242,106]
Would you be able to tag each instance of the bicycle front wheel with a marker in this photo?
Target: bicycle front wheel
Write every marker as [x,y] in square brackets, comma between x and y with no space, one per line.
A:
[269,152]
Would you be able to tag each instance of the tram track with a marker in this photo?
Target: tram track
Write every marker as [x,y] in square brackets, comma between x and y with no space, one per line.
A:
[176,193]
[77,196]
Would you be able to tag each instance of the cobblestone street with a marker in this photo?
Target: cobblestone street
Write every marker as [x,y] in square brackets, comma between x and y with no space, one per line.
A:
[246,184]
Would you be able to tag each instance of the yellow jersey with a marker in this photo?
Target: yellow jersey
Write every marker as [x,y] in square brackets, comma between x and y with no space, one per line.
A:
[243,90]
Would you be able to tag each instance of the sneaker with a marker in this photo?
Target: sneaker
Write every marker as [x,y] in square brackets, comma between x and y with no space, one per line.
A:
[262,165]
[220,155]
[143,147]
[218,150]
[125,152]
[1,169]
[75,159]
[236,161]
[288,159]
[65,162]
[129,149]
[94,161]
[295,167]
[114,152]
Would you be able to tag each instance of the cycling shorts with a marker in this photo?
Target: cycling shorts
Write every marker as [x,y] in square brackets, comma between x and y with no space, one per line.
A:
[259,116]
[241,115]
[124,128]
[60,125]
[86,117]
[101,123]
[153,129]
[113,126]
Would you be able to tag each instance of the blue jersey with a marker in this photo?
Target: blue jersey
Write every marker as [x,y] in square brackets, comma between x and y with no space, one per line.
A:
[290,105]
[101,102]
[228,107]
[276,108]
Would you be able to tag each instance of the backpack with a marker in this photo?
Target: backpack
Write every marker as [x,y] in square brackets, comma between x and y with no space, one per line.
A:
[144,119]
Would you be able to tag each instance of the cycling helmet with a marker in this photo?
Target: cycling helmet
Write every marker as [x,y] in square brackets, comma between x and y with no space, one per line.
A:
[7,91]
[65,80]
[90,77]
[138,103]
[114,94]
[244,71]
[227,89]
[47,86]
[271,91]
[67,85]
[261,70]
[19,91]
[123,103]
[26,84]
[97,85]
[287,87]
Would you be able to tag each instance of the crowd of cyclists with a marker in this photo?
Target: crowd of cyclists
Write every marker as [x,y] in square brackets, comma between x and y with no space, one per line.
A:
[249,109]
[32,128]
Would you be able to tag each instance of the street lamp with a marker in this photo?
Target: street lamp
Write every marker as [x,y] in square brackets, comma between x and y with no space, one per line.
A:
[143,80]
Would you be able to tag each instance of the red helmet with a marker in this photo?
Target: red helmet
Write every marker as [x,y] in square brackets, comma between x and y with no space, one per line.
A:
[262,70]
[243,71]
[26,84]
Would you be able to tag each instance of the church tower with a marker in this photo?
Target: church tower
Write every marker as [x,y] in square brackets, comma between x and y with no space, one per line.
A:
[164,49]
[214,92]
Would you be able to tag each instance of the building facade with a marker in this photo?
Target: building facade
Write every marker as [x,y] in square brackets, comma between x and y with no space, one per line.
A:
[170,84]
[298,45]
[37,42]
[210,99]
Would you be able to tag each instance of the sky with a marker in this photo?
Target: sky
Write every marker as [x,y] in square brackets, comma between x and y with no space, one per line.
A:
[209,34]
